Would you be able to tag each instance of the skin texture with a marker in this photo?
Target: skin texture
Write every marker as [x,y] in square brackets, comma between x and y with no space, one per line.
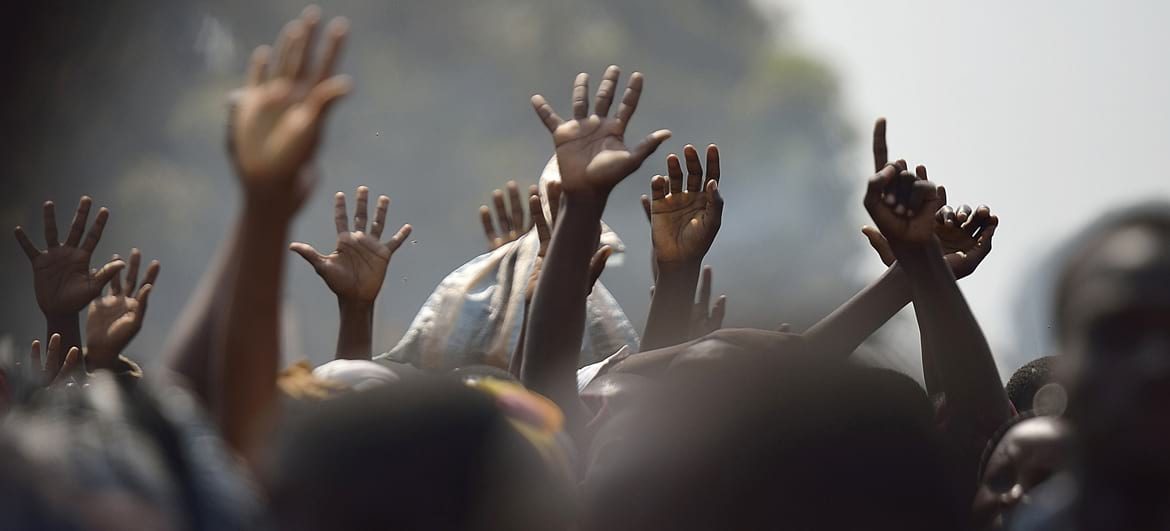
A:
[62,279]
[593,158]
[356,269]
[903,206]
[1027,455]
[685,216]
[116,317]
[274,137]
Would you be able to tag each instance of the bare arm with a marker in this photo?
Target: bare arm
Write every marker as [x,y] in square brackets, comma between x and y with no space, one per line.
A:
[275,134]
[593,158]
[356,270]
[685,216]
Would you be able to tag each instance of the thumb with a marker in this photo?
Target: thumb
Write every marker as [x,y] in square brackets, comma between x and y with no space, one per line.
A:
[648,145]
[308,253]
[879,244]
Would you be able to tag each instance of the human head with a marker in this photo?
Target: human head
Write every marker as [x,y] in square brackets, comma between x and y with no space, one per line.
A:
[1113,320]
[1028,380]
[425,453]
[776,442]
[1024,452]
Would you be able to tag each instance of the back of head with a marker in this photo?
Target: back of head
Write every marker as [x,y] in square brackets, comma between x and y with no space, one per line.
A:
[421,454]
[788,443]
[1027,380]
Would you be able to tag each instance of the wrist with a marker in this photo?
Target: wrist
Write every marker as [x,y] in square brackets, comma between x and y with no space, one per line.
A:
[355,307]
[98,358]
[678,269]
[584,203]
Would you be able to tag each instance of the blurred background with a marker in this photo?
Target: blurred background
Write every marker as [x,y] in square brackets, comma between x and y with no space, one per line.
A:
[1047,111]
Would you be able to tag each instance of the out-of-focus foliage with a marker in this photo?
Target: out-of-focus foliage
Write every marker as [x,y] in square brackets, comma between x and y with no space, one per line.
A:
[125,101]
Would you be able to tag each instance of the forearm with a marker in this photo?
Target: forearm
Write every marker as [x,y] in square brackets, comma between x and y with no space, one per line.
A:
[68,325]
[960,354]
[251,354]
[190,349]
[557,321]
[670,307]
[355,334]
[840,332]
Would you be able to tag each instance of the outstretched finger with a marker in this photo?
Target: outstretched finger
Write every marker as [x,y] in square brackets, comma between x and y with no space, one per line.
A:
[718,312]
[72,360]
[399,238]
[49,212]
[79,218]
[132,270]
[659,186]
[674,171]
[501,213]
[106,274]
[151,273]
[630,99]
[713,162]
[95,231]
[324,94]
[340,218]
[53,359]
[335,36]
[646,205]
[143,299]
[715,205]
[533,190]
[30,249]
[694,168]
[581,96]
[606,90]
[648,145]
[361,210]
[116,282]
[310,18]
[310,254]
[977,220]
[34,356]
[517,207]
[880,150]
[258,65]
[546,113]
[288,48]
[489,230]
[542,231]
[380,217]
[945,216]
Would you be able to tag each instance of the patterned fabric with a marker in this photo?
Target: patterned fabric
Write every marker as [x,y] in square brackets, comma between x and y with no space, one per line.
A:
[148,442]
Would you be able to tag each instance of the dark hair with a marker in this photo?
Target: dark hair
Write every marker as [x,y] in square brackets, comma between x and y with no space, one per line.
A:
[1024,383]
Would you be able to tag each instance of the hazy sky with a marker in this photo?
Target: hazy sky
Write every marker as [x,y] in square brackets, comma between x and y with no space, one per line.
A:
[1048,111]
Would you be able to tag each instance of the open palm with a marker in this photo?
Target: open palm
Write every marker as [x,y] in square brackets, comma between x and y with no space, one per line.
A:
[591,149]
[62,279]
[355,270]
[116,317]
[686,214]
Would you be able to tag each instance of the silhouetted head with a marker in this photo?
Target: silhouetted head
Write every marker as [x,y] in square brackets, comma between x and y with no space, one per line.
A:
[1023,453]
[424,453]
[1113,318]
[1027,381]
[780,442]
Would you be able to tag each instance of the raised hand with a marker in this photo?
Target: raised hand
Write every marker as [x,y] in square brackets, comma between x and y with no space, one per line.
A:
[685,215]
[115,318]
[706,318]
[62,278]
[965,235]
[56,368]
[279,114]
[354,271]
[591,149]
[544,232]
[511,222]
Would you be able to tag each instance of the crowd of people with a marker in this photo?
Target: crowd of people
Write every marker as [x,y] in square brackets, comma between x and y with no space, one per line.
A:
[522,397]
